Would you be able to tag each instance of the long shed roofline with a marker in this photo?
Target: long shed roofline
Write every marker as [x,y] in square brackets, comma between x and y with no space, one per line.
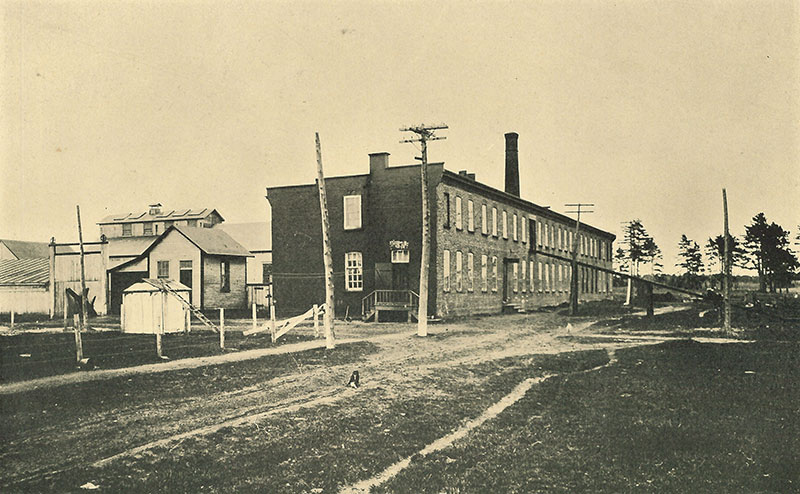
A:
[468,182]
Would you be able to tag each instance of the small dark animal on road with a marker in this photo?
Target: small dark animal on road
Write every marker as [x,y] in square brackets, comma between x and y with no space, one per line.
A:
[353,380]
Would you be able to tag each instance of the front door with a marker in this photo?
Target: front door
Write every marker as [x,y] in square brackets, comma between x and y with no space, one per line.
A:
[186,276]
[400,276]
[383,276]
[510,280]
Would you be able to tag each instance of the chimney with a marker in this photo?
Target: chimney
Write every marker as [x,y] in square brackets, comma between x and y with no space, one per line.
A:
[378,162]
[512,164]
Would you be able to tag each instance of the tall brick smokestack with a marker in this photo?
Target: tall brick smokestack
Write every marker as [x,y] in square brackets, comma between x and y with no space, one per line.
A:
[512,164]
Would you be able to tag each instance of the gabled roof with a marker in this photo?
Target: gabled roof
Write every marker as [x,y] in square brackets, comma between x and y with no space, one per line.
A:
[166,215]
[255,237]
[24,271]
[27,250]
[209,240]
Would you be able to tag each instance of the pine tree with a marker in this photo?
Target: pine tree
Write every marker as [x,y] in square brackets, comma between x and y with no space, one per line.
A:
[769,254]
[691,261]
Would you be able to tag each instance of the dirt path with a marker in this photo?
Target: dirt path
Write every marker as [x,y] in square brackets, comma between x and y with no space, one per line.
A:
[401,359]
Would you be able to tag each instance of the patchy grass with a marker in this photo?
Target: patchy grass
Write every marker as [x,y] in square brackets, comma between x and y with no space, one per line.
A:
[678,417]
[760,323]
[325,447]
[31,355]
[108,416]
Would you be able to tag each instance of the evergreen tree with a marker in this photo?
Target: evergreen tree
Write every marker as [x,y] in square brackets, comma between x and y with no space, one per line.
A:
[691,261]
[769,254]
[715,250]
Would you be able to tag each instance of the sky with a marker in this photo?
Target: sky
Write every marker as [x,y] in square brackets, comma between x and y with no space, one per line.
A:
[645,108]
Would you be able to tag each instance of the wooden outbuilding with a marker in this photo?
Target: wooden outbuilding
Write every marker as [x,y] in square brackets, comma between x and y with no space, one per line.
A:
[155,306]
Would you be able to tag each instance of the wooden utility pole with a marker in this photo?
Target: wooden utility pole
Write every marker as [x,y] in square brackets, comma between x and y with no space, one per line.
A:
[573,281]
[83,315]
[326,250]
[425,133]
[726,282]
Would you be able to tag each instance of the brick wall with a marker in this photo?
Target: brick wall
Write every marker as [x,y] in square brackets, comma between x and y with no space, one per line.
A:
[450,237]
[213,296]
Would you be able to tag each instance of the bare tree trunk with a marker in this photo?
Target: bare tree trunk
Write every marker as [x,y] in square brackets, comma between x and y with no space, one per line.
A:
[326,249]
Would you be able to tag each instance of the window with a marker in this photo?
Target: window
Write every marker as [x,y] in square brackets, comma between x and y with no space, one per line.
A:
[494,221]
[163,269]
[522,275]
[459,222]
[524,221]
[484,220]
[459,280]
[531,235]
[352,212]
[156,228]
[225,276]
[505,225]
[484,274]
[559,242]
[494,273]
[530,275]
[354,272]
[147,229]
[400,256]
[547,277]
[470,272]
[127,230]
[540,276]
[515,276]
[266,272]
[470,216]
[447,210]
[550,242]
[446,270]
[514,227]
[539,233]
[560,276]
[192,223]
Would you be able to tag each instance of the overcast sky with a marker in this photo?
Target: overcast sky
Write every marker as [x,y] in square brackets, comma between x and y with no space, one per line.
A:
[647,109]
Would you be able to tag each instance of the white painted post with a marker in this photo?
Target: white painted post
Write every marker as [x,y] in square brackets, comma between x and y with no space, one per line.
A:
[187,324]
[316,321]
[66,311]
[222,328]
[12,318]
[158,346]
[272,320]
[254,316]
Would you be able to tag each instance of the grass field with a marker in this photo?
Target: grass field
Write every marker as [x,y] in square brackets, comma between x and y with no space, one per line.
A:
[678,416]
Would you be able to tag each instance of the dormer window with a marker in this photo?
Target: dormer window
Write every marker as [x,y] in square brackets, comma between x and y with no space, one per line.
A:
[155,209]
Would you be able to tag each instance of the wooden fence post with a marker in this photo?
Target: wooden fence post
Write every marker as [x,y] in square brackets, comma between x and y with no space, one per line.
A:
[316,321]
[12,318]
[222,328]
[66,311]
[255,317]
[158,346]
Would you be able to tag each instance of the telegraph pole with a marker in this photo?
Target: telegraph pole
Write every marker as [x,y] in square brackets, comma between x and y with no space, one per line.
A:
[726,287]
[326,250]
[78,342]
[573,281]
[425,133]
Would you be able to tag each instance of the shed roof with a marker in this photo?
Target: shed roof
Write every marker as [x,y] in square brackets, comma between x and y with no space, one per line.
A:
[156,285]
[27,250]
[24,272]
[128,246]
[166,215]
[254,237]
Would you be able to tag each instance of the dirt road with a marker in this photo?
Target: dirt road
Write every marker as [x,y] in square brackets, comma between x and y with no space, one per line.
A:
[128,413]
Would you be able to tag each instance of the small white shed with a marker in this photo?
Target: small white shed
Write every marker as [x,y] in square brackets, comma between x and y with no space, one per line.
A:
[152,306]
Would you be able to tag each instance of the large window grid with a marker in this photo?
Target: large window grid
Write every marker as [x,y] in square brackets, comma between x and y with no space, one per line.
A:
[354,272]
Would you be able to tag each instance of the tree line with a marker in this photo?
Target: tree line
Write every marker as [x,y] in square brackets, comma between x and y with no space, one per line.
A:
[765,249]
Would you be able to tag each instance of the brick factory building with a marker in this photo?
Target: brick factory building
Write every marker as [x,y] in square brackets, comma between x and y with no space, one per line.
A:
[490,249]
